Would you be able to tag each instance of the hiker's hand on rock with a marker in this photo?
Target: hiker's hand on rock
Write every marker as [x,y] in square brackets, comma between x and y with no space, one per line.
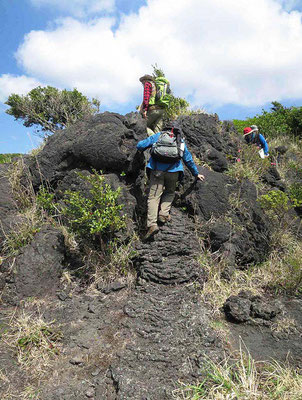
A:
[200,177]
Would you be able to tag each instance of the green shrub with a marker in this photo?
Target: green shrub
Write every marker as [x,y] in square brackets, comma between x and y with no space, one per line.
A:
[295,168]
[279,121]
[295,194]
[276,202]
[7,158]
[271,124]
[50,109]
[99,214]
[45,200]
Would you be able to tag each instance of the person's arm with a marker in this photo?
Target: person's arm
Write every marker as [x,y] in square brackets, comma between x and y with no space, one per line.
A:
[188,160]
[146,143]
[146,98]
[263,144]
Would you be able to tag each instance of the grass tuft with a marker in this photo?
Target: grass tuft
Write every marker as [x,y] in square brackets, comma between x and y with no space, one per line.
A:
[243,378]
[249,165]
[34,341]
[22,232]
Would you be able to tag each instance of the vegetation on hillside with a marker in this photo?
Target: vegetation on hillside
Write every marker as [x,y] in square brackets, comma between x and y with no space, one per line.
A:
[89,222]
[240,377]
[50,109]
[8,157]
[278,121]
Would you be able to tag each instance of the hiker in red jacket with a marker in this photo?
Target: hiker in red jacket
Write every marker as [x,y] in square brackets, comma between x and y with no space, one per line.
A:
[153,113]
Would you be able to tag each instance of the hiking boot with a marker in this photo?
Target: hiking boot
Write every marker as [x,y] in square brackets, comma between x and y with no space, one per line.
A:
[163,219]
[151,232]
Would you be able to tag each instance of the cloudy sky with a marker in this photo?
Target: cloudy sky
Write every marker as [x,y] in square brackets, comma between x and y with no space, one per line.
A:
[232,57]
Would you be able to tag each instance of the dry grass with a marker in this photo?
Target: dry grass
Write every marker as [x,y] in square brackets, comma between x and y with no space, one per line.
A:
[22,189]
[216,289]
[282,273]
[249,165]
[240,377]
[30,393]
[222,329]
[113,263]
[283,269]
[30,218]
[3,377]
[69,238]
[198,161]
[22,232]
[37,150]
[294,147]
[284,325]
[34,341]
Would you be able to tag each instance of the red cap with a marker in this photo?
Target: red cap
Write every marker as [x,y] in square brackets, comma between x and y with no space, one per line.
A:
[247,130]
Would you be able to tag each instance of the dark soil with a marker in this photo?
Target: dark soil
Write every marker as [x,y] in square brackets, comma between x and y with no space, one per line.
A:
[264,342]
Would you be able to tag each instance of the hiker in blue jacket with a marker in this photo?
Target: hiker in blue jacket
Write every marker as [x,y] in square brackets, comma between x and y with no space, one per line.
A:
[163,179]
[252,135]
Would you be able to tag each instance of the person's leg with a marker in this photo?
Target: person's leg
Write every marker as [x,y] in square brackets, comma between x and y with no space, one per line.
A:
[158,123]
[154,120]
[156,190]
[170,181]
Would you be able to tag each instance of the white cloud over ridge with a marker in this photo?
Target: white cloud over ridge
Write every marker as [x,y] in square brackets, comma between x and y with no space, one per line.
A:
[78,8]
[237,52]
[16,84]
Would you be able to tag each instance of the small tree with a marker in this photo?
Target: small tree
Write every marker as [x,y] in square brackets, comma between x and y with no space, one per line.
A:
[51,109]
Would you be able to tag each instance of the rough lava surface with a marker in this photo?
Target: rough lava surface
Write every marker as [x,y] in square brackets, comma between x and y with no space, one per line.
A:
[141,341]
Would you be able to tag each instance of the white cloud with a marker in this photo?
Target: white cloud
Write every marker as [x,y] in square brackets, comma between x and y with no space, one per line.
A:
[217,52]
[78,8]
[16,84]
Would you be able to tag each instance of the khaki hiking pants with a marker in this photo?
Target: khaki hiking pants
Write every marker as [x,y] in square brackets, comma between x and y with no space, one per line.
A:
[155,120]
[162,190]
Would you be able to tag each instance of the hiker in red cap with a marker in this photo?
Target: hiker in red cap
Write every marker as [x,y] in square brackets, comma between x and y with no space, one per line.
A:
[252,136]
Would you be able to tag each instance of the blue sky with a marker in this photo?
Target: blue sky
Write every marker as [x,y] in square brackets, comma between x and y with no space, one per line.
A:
[225,56]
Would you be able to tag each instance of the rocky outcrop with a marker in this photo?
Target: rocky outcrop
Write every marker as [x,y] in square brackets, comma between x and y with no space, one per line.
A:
[132,345]
[169,336]
[172,257]
[236,220]
[137,343]
[38,268]
[245,307]
[210,140]
[105,142]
